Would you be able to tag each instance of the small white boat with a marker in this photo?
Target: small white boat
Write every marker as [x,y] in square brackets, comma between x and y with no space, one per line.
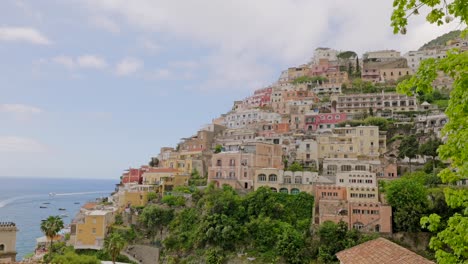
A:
[63,215]
[51,194]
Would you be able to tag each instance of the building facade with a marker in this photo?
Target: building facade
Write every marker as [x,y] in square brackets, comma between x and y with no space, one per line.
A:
[236,165]
[8,232]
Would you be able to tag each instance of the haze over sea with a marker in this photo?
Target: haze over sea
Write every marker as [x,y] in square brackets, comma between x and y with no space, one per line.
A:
[20,199]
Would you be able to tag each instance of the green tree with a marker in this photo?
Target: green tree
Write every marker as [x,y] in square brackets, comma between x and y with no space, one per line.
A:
[50,227]
[408,198]
[155,218]
[430,149]
[295,167]
[218,148]
[409,147]
[71,257]
[113,244]
[450,244]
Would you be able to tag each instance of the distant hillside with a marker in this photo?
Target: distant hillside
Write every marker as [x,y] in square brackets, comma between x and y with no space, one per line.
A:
[441,40]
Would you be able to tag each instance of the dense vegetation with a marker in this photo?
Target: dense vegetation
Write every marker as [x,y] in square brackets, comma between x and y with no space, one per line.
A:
[441,40]
[449,243]
[273,227]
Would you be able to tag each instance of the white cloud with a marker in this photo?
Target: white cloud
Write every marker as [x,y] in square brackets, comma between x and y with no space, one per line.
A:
[106,24]
[185,64]
[91,61]
[160,74]
[15,144]
[65,61]
[128,66]
[20,109]
[266,31]
[151,46]
[23,34]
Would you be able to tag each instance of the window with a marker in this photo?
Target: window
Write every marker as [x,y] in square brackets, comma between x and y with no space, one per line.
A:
[341,180]
[298,180]
[360,167]
[94,230]
[272,177]
[232,162]
[94,218]
[295,191]
[358,225]
[345,167]
[287,179]
[219,163]
[2,247]
[218,174]
[262,177]
[232,174]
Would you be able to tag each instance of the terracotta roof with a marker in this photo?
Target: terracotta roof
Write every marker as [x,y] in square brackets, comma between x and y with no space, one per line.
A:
[89,206]
[380,251]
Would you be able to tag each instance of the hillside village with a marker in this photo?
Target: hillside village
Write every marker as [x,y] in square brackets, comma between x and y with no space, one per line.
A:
[331,128]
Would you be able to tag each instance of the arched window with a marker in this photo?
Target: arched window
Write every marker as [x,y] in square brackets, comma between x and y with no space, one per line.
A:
[273,189]
[261,177]
[2,247]
[284,190]
[287,179]
[358,225]
[298,180]
[295,191]
[272,177]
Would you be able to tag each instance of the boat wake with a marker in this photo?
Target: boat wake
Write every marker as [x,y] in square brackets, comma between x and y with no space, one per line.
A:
[13,199]
[79,193]
[8,201]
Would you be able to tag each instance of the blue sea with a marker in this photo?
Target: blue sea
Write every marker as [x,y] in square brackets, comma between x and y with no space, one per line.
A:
[21,198]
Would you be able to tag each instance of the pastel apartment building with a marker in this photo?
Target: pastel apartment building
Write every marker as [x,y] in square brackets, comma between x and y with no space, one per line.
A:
[165,179]
[319,121]
[236,165]
[90,227]
[261,97]
[352,142]
[382,104]
[289,182]
[355,200]
[239,119]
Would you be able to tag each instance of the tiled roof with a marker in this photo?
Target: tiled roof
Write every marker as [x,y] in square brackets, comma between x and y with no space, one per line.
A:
[89,206]
[381,251]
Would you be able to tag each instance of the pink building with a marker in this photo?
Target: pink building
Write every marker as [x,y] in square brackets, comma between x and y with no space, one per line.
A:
[261,97]
[323,121]
[236,166]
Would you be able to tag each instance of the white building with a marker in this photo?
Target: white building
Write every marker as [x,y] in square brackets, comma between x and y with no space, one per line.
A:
[239,119]
[324,53]
[414,58]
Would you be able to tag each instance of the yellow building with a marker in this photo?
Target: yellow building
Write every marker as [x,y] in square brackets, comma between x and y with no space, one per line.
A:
[133,195]
[89,228]
[352,142]
[8,242]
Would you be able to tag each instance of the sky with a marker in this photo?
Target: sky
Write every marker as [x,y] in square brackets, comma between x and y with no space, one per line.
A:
[89,88]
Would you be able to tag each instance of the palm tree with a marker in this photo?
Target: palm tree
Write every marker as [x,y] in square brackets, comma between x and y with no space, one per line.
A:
[113,244]
[50,227]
